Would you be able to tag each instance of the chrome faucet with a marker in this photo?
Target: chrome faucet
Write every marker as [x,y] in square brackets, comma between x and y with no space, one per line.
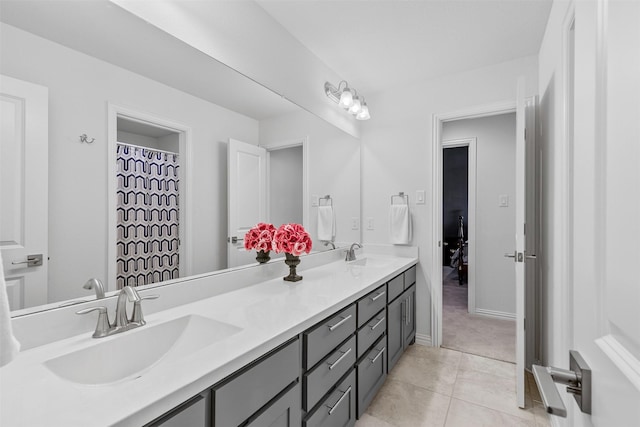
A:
[329,242]
[130,294]
[104,328]
[351,254]
[96,285]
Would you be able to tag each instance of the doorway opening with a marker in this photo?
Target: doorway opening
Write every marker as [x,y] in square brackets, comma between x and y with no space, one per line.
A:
[148,203]
[478,175]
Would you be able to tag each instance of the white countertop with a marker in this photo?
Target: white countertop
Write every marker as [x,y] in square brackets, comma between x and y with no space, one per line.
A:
[269,313]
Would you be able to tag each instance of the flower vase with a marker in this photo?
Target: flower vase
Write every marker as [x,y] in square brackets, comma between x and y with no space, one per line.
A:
[292,261]
[263,256]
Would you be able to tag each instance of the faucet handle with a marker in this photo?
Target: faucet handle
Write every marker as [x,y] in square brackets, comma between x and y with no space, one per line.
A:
[103,326]
[136,315]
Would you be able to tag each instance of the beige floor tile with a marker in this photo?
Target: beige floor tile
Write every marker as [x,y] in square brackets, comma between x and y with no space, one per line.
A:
[430,371]
[434,354]
[491,391]
[470,362]
[543,419]
[405,405]
[465,414]
[367,420]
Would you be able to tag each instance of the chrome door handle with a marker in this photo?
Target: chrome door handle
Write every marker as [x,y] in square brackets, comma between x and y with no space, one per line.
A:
[513,255]
[344,394]
[32,261]
[344,354]
[530,256]
[234,239]
[577,378]
[344,319]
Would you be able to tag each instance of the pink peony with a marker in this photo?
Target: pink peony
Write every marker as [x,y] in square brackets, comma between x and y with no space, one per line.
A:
[293,239]
[260,237]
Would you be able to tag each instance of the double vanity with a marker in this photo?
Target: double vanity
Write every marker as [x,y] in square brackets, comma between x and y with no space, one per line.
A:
[237,348]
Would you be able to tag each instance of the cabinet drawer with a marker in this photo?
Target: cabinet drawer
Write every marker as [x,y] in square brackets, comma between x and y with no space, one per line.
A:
[410,277]
[395,287]
[371,331]
[284,412]
[371,374]
[371,304]
[324,376]
[242,396]
[339,408]
[324,337]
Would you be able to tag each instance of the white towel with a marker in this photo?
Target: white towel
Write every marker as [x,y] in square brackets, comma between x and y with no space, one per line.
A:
[9,346]
[326,223]
[400,224]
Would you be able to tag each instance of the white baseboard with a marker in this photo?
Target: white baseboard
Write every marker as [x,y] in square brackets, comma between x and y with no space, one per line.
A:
[495,314]
[423,340]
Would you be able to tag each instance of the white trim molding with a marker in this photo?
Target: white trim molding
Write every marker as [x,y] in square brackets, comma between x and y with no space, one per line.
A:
[422,339]
[496,314]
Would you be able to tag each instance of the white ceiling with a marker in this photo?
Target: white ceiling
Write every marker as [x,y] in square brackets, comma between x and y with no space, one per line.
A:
[375,44]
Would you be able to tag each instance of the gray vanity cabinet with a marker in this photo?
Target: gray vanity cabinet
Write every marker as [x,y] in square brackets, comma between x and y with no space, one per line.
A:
[284,412]
[401,315]
[194,413]
[338,409]
[372,372]
[239,398]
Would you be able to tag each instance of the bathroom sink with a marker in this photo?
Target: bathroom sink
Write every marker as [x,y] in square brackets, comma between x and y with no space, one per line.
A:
[369,261]
[133,353]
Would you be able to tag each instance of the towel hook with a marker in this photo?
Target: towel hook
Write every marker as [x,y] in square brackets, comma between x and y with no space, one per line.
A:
[85,138]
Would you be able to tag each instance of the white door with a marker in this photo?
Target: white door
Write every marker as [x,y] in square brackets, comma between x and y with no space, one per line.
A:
[24,190]
[520,205]
[247,199]
[606,215]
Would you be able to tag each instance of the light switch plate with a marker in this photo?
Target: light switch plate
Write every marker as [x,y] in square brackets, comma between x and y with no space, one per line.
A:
[503,200]
[370,224]
[420,197]
[315,200]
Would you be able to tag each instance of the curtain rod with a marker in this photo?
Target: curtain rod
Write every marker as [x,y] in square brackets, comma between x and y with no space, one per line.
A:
[147,148]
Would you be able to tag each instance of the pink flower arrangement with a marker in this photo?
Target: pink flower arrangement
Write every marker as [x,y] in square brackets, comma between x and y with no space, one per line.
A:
[293,239]
[260,237]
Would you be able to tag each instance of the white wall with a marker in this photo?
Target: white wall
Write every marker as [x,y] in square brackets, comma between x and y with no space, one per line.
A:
[80,88]
[285,186]
[334,167]
[495,225]
[396,151]
[261,49]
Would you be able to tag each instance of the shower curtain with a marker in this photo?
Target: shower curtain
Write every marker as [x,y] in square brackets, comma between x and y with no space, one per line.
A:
[147,211]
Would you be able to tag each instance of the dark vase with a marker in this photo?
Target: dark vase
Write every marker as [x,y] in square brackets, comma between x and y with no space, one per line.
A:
[292,261]
[263,256]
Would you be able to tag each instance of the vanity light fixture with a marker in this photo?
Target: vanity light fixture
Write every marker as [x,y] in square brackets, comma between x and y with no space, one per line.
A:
[348,99]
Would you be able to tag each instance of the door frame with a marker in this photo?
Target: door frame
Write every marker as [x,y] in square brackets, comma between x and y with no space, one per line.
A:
[185,187]
[280,145]
[471,215]
[436,226]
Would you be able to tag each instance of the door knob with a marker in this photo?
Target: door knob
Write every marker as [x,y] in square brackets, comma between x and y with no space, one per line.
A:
[32,261]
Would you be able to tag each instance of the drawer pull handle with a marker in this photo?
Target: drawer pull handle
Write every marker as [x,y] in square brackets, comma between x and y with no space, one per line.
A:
[377,323]
[334,407]
[344,354]
[378,296]
[378,355]
[344,319]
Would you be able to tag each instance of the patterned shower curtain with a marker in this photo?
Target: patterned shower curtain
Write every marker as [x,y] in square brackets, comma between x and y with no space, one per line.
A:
[147,230]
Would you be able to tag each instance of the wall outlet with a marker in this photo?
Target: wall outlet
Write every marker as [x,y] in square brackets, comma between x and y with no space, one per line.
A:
[503,200]
[421,197]
[370,224]
[355,223]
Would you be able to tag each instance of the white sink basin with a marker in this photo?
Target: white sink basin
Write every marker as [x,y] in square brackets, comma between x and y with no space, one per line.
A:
[369,262]
[131,354]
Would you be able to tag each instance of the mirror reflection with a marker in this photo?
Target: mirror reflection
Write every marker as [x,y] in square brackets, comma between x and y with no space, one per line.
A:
[143,98]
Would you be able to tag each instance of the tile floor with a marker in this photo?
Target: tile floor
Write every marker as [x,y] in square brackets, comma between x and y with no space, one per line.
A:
[441,387]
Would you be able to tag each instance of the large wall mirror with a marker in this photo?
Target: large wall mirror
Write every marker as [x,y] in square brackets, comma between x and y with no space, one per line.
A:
[134,90]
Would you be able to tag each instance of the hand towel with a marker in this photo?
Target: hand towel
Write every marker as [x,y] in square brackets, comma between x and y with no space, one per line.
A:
[400,224]
[326,223]
[9,346]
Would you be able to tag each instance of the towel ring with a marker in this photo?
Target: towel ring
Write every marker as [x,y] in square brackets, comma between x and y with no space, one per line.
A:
[327,201]
[401,195]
